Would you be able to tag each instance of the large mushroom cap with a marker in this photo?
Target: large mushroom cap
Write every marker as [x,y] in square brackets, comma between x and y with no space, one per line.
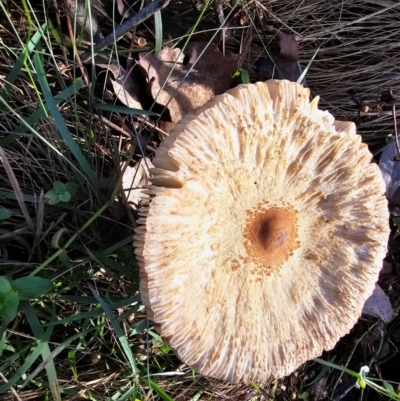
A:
[265,234]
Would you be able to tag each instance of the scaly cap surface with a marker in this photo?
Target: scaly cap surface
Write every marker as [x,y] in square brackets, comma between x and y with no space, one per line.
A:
[265,234]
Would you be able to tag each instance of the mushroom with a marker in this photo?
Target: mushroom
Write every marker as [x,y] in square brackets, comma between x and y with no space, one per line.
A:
[265,233]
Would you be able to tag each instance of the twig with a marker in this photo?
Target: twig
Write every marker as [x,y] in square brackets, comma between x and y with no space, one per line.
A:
[395,130]
[111,125]
[220,13]
[72,38]
[64,52]
[11,388]
[121,30]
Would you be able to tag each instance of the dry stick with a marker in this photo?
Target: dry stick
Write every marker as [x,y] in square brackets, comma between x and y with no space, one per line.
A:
[17,190]
[11,388]
[64,52]
[221,17]
[72,38]
[112,125]
[121,30]
[395,130]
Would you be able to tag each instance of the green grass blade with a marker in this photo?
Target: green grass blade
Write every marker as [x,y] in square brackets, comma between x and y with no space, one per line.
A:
[47,143]
[33,356]
[19,64]
[197,396]
[84,315]
[92,313]
[118,245]
[382,390]
[120,334]
[159,391]
[72,239]
[338,367]
[113,265]
[159,31]
[16,189]
[56,352]
[304,73]
[140,327]
[131,394]
[322,373]
[11,195]
[87,300]
[59,121]
[39,335]
[3,334]
[41,112]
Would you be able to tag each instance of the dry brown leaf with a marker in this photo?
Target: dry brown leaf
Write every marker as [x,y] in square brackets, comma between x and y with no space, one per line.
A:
[124,84]
[285,64]
[133,181]
[123,94]
[211,75]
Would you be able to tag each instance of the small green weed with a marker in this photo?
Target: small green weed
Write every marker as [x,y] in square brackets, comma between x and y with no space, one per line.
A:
[20,289]
[362,381]
[4,213]
[61,192]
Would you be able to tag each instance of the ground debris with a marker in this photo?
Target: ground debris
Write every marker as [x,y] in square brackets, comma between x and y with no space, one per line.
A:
[390,169]
[87,21]
[379,305]
[285,64]
[201,71]
[125,85]
[133,181]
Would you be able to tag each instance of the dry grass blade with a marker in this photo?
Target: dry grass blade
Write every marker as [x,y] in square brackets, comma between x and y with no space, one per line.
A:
[17,189]
[357,60]
[121,30]
[15,394]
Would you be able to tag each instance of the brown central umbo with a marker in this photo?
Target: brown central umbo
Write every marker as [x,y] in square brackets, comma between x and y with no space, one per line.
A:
[270,236]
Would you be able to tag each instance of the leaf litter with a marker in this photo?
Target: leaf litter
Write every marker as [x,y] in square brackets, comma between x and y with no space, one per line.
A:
[390,169]
[124,84]
[134,180]
[285,64]
[379,305]
[185,80]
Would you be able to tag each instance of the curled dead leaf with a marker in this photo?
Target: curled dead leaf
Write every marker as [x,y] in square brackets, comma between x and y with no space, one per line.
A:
[124,84]
[195,78]
[285,64]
